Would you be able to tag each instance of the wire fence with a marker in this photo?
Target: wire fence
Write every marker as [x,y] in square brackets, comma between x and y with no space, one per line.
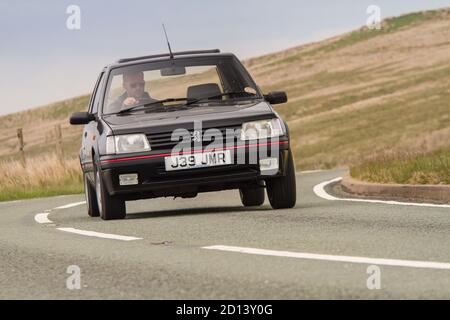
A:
[26,141]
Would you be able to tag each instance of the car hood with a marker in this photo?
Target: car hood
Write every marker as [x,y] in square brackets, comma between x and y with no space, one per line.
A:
[210,116]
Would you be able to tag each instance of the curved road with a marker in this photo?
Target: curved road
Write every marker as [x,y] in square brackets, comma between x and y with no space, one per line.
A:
[187,249]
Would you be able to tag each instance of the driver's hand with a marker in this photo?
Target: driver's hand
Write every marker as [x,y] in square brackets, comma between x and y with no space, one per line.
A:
[130,101]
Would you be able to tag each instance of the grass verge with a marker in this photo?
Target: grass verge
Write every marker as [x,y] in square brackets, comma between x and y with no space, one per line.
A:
[42,176]
[406,168]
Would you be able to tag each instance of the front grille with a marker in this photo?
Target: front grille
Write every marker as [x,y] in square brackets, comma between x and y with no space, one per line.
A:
[202,174]
[220,135]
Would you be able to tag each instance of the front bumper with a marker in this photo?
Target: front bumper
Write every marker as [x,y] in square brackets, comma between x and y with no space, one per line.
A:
[154,181]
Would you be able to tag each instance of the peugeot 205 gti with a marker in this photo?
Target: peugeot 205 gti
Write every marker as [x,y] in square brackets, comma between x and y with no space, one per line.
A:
[175,125]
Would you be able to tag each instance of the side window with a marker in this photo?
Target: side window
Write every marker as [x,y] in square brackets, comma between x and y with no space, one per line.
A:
[96,95]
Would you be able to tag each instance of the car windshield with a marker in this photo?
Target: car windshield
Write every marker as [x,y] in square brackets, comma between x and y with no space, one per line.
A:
[178,84]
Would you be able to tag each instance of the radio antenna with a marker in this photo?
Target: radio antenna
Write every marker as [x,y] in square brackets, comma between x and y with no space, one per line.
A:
[168,44]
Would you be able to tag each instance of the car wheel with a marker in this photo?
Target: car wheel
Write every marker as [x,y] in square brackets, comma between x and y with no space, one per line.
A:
[91,198]
[110,207]
[251,197]
[282,191]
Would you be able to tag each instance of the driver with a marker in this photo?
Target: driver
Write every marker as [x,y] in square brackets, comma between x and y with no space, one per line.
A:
[134,86]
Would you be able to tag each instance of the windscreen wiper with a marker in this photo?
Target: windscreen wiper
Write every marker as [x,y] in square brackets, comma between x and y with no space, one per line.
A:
[152,104]
[252,96]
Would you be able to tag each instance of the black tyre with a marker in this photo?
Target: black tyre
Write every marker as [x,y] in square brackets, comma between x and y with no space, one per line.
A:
[110,208]
[282,191]
[251,197]
[91,198]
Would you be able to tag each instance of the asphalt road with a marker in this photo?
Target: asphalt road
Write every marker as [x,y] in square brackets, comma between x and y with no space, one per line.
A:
[169,259]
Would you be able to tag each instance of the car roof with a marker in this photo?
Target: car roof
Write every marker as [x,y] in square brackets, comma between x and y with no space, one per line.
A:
[167,57]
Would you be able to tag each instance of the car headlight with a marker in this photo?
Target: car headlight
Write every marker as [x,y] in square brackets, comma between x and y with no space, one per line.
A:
[127,143]
[261,129]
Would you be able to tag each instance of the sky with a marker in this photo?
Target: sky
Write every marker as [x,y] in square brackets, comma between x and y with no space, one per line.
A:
[42,60]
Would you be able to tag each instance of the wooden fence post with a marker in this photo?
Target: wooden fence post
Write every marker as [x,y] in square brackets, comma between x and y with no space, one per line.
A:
[21,146]
[59,144]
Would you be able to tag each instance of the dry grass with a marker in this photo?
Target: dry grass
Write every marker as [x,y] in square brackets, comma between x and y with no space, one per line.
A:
[406,168]
[42,176]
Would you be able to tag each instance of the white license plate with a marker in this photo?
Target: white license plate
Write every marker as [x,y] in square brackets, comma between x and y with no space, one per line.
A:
[198,160]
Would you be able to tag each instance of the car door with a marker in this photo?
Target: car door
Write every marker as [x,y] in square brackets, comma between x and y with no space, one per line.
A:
[90,132]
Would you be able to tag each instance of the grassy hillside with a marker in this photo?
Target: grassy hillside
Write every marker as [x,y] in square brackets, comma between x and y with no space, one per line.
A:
[366,92]
[350,97]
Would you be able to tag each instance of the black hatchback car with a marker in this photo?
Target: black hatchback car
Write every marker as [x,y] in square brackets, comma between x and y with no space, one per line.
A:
[175,125]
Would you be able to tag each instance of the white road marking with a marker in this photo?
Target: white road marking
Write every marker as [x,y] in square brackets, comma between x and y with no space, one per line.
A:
[310,171]
[320,192]
[99,234]
[9,202]
[70,205]
[327,257]
[42,218]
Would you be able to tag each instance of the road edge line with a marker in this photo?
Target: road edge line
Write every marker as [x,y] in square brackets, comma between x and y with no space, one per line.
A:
[319,190]
[440,193]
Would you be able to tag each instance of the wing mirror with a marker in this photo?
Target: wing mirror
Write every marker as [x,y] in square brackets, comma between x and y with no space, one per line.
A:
[81,118]
[276,97]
